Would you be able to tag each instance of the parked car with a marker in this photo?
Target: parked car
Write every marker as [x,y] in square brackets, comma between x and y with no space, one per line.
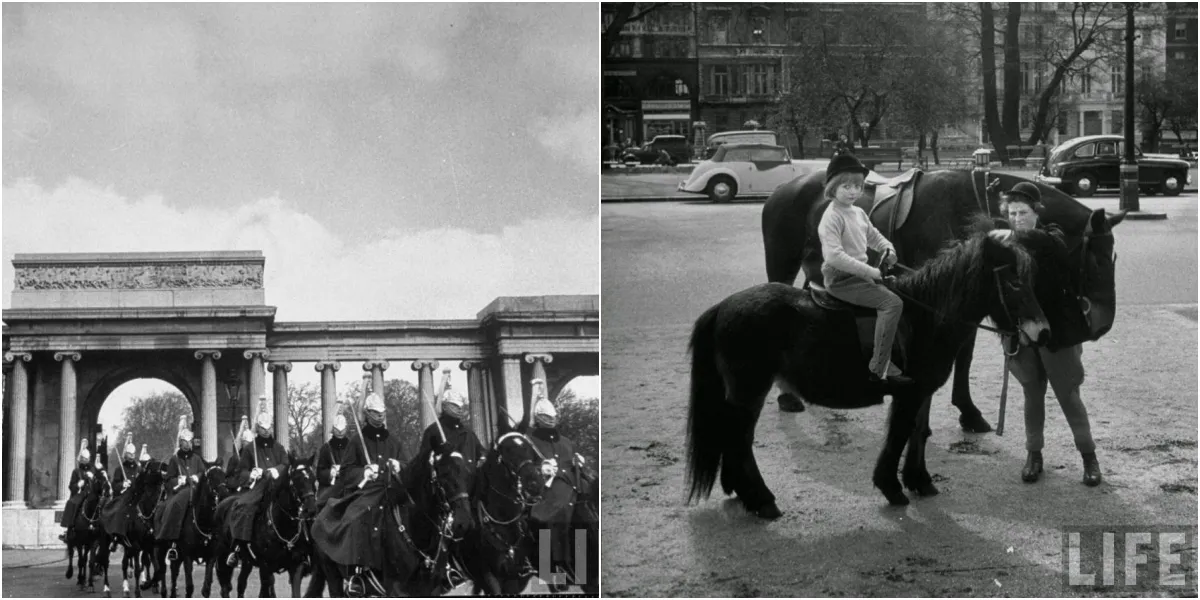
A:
[1082,165]
[676,146]
[717,140]
[746,169]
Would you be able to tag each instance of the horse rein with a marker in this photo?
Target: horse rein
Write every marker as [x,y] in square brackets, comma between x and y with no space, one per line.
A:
[299,518]
[996,278]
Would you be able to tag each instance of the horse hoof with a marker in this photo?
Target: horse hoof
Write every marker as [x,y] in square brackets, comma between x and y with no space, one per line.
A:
[926,489]
[894,494]
[974,423]
[769,512]
[790,403]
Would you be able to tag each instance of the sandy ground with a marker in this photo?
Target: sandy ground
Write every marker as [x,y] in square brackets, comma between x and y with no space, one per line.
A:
[987,534]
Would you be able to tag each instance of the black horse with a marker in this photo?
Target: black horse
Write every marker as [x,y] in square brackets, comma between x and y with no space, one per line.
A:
[419,557]
[281,532]
[500,553]
[85,528]
[775,332]
[195,536]
[135,532]
[944,204]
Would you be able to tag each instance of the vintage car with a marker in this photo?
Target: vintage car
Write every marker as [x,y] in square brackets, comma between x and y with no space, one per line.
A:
[756,136]
[676,147]
[1082,165]
[746,170]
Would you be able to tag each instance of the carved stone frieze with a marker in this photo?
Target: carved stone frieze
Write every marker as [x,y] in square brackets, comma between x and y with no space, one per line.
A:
[139,276]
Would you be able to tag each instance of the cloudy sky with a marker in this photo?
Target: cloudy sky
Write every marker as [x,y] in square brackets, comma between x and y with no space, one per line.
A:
[391,161]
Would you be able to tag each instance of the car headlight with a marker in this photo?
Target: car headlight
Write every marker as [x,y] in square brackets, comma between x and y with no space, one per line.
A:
[1055,170]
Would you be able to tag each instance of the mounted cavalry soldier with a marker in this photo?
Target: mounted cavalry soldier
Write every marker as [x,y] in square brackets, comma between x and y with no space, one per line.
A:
[350,528]
[261,458]
[329,461]
[183,470]
[557,507]
[244,437]
[454,420]
[81,478]
[116,514]
[127,469]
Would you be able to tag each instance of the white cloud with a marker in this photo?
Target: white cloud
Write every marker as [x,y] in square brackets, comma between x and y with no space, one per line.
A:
[312,274]
[571,136]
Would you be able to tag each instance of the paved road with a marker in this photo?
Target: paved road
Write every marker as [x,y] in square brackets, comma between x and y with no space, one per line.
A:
[987,534]
[39,573]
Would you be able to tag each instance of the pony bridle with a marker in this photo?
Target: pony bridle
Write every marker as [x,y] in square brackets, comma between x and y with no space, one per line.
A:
[1080,292]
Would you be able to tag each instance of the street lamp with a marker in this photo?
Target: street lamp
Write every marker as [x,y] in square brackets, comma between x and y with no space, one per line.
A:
[233,388]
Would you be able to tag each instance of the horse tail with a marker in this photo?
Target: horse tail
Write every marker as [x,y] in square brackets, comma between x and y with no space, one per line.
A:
[705,429]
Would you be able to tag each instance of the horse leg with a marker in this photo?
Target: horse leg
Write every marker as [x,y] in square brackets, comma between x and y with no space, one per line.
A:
[81,575]
[189,585]
[900,426]
[916,476]
[243,577]
[970,419]
[174,580]
[206,587]
[748,388]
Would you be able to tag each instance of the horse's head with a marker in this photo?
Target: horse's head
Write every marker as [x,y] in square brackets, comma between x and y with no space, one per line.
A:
[302,482]
[213,482]
[1092,259]
[453,479]
[147,486]
[1014,304]
[522,465]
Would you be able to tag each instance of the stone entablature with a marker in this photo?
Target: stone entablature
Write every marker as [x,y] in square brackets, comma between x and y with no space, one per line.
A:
[138,279]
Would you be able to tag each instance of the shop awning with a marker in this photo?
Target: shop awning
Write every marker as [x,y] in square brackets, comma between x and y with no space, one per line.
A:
[666,117]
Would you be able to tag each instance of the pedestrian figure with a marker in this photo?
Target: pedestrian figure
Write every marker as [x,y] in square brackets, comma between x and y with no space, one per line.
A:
[1033,367]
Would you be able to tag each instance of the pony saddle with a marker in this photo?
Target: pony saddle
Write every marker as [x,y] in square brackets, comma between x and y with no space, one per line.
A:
[864,322]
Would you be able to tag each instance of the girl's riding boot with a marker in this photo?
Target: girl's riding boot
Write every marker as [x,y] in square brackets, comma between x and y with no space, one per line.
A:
[1091,470]
[1033,467]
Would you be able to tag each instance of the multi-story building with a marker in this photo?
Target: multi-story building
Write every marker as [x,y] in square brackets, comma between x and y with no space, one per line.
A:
[649,77]
[1182,42]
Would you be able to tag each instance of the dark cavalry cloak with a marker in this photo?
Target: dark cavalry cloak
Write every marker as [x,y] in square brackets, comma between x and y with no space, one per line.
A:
[118,513]
[80,475]
[246,505]
[460,438]
[332,453]
[350,529]
[557,507]
[168,517]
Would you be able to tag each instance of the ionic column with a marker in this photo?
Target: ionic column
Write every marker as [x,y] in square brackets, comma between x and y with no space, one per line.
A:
[258,383]
[66,423]
[19,401]
[539,362]
[514,394]
[475,399]
[327,369]
[425,369]
[376,368]
[208,402]
[280,396]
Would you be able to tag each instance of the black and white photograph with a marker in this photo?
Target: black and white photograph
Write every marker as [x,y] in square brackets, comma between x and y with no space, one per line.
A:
[300,300]
[899,299]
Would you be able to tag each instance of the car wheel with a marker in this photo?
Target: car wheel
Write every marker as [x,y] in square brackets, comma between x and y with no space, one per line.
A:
[721,189]
[1085,184]
[1172,185]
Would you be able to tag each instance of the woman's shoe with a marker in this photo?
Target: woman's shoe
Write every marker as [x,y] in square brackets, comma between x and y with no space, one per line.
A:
[1091,470]
[1033,467]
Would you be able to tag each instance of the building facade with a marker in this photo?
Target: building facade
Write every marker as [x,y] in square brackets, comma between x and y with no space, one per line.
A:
[1182,40]
[648,84]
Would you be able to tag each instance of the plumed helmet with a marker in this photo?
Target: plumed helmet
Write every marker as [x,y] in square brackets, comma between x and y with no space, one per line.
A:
[375,410]
[130,449]
[844,163]
[145,456]
[545,407]
[263,421]
[185,432]
[240,437]
[1030,191]
[84,455]
[339,426]
[454,403]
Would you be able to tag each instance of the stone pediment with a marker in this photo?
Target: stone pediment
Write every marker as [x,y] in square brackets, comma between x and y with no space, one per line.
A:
[138,279]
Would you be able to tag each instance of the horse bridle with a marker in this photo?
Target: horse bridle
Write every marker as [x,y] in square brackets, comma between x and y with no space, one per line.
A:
[1080,291]
[212,491]
[299,518]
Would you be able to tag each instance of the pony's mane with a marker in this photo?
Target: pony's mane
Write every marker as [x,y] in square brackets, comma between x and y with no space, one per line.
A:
[954,276]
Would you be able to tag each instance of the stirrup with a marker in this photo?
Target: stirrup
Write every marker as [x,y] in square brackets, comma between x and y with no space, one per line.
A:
[172,554]
[232,561]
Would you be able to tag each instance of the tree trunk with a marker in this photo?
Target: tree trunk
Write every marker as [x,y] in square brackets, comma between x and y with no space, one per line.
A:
[933,139]
[1043,107]
[920,147]
[987,47]
[1011,112]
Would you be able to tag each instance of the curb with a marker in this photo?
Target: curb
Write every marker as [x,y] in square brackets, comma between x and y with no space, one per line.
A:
[697,198]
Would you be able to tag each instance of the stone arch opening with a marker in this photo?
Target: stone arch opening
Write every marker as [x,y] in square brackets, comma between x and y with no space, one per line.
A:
[156,424]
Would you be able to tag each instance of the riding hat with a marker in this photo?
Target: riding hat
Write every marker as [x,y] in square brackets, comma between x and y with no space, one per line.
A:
[84,455]
[375,410]
[1028,190]
[185,432]
[339,426]
[844,163]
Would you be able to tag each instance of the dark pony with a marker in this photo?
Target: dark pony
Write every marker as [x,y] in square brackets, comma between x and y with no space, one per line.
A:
[500,552]
[945,203]
[281,539]
[774,332]
[195,536]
